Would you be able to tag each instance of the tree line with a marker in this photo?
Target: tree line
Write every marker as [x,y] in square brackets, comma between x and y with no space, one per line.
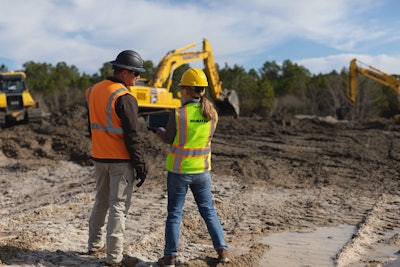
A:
[275,89]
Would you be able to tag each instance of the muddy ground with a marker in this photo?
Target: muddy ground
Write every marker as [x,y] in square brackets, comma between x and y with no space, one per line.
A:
[270,175]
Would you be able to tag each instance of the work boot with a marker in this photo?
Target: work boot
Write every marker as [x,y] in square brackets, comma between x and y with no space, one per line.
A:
[97,251]
[130,262]
[223,256]
[167,261]
[116,264]
[126,262]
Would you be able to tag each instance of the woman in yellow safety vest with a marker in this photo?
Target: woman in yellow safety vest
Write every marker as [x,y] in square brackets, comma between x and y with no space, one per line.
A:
[189,131]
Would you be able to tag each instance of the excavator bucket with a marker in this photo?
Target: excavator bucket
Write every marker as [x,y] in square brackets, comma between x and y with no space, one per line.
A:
[228,103]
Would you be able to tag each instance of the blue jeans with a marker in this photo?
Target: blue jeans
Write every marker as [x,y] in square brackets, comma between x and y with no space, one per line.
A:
[200,185]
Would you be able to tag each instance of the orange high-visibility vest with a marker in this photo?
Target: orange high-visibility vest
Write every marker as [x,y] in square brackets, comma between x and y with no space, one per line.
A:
[191,148]
[106,128]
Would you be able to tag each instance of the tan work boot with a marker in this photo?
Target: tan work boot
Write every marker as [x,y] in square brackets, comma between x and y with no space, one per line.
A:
[94,251]
[126,262]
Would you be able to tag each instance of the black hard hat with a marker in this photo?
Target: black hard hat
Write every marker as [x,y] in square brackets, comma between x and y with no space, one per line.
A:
[129,60]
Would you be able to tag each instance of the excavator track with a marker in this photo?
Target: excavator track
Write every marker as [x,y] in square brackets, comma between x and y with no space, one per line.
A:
[34,115]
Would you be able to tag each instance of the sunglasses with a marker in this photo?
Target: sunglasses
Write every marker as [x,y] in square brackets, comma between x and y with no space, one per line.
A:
[197,89]
[134,72]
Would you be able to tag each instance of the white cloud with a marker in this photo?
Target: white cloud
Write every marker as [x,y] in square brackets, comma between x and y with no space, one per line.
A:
[87,33]
[385,63]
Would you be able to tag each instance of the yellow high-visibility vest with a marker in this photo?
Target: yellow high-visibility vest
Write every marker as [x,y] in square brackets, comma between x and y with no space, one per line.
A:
[191,149]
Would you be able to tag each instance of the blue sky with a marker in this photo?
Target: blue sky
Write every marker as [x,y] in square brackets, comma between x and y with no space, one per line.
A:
[321,35]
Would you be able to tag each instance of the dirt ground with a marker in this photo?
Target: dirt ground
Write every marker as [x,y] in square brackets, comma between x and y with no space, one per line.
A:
[270,175]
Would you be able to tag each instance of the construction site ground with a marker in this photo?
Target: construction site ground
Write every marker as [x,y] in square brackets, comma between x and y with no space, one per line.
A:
[301,191]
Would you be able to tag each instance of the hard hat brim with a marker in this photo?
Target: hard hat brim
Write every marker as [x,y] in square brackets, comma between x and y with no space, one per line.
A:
[122,66]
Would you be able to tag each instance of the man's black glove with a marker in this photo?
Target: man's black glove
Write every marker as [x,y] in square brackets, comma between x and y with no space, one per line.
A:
[141,175]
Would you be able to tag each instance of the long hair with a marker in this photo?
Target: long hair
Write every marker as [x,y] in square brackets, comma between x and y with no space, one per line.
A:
[207,107]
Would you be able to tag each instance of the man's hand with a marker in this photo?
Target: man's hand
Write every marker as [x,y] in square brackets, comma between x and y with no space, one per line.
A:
[141,176]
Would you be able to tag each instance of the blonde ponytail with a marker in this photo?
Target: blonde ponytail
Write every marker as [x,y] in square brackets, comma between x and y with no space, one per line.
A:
[207,109]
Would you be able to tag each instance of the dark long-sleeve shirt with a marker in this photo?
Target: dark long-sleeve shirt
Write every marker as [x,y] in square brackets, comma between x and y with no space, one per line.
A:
[127,109]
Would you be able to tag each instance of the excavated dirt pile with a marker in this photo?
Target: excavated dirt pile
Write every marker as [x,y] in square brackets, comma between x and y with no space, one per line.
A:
[270,175]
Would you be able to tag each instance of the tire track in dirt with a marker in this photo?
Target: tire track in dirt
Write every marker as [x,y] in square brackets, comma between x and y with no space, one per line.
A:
[41,187]
[147,241]
[379,226]
[268,176]
[334,160]
[40,229]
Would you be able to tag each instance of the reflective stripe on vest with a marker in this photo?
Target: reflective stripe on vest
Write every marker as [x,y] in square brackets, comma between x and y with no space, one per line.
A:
[106,127]
[191,149]
[109,127]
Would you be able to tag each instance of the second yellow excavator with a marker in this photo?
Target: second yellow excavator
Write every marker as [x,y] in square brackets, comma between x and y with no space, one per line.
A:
[372,73]
[154,99]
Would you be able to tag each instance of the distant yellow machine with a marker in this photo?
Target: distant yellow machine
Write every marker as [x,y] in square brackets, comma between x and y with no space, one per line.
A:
[371,73]
[153,98]
[16,103]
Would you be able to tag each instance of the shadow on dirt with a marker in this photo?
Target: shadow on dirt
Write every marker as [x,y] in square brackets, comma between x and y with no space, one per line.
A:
[11,255]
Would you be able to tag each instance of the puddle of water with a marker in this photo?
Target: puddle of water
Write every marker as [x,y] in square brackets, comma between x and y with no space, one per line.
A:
[395,263]
[386,253]
[383,252]
[316,248]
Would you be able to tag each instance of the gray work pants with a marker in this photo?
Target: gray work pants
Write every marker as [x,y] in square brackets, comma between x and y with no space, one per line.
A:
[114,185]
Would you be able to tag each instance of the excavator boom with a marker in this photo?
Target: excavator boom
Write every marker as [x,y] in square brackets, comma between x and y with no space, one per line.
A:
[227,101]
[372,73]
[156,96]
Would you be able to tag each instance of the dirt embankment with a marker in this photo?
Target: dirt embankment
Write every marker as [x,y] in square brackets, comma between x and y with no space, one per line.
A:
[270,175]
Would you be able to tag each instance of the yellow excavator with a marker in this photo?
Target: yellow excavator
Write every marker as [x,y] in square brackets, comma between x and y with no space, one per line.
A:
[16,103]
[155,98]
[372,73]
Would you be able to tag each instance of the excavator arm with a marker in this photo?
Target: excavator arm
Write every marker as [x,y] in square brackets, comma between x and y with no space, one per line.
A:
[156,95]
[171,61]
[372,73]
[227,101]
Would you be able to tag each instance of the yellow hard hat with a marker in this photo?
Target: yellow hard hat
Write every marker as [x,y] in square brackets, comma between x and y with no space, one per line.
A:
[194,77]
